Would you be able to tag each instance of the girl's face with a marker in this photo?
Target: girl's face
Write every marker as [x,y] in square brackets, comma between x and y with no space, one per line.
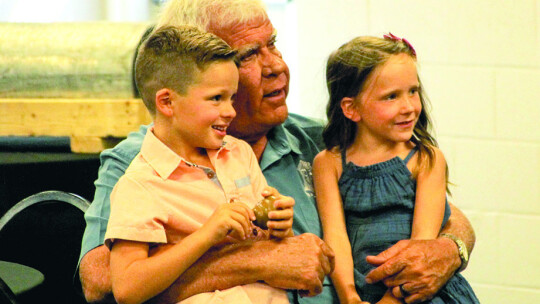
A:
[388,106]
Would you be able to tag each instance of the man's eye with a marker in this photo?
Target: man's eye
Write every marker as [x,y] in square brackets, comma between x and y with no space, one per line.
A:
[247,56]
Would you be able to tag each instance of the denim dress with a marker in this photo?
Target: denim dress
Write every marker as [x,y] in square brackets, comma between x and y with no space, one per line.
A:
[379,203]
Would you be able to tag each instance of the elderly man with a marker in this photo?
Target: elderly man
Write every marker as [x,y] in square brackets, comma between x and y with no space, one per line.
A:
[285,145]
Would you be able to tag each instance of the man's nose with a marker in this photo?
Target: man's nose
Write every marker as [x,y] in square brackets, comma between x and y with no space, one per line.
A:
[272,63]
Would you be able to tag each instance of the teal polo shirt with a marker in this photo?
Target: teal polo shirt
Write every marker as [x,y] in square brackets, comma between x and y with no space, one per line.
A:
[286,164]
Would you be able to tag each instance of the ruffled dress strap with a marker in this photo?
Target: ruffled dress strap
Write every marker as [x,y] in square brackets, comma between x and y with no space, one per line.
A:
[410,155]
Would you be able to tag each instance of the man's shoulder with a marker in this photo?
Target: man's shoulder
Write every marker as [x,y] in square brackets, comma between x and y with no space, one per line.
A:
[305,128]
[128,148]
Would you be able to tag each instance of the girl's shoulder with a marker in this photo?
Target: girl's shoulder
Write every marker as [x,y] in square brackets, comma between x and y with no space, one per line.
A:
[328,160]
[329,155]
[434,159]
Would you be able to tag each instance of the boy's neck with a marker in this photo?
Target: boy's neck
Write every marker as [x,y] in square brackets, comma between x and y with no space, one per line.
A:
[198,156]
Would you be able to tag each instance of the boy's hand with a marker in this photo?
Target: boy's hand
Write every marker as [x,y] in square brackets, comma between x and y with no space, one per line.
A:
[233,219]
[280,220]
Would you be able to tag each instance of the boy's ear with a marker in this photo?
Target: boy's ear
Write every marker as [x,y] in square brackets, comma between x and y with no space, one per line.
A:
[348,106]
[164,102]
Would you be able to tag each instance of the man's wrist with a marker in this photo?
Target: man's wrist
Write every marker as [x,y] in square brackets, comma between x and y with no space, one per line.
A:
[461,250]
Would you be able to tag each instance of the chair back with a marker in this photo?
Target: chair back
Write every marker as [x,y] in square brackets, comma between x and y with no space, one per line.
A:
[44,231]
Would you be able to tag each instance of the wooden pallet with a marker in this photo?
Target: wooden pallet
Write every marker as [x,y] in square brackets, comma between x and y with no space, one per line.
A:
[92,124]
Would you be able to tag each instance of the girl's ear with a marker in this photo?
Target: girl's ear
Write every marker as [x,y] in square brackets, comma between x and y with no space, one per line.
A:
[348,106]
[164,102]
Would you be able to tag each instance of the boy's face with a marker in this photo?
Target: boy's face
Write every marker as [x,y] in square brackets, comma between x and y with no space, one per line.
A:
[202,115]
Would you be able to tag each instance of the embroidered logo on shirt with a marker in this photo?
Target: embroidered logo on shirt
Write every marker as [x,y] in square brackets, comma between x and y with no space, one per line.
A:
[304,168]
[242,182]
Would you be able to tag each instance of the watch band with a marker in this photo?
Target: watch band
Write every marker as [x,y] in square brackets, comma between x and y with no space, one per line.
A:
[462,250]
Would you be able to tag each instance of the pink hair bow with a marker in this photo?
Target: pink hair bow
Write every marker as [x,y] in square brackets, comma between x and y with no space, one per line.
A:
[396,38]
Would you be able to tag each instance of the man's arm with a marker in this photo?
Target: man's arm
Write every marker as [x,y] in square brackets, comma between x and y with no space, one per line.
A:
[95,276]
[424,266]
[306,257]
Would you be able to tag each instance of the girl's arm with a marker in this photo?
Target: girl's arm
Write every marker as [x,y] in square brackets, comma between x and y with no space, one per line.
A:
[136,277]
[430,199]
[330,207]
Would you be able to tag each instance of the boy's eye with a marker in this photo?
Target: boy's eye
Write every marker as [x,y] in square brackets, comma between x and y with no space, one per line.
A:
[391,96]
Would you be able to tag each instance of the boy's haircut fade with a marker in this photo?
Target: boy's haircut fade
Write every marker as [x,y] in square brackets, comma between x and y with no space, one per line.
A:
[172,56]
[210,15]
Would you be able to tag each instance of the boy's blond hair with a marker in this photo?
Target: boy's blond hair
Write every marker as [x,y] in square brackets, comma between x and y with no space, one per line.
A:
[172,56]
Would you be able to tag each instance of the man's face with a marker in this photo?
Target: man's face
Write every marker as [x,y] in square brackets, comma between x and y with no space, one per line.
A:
[264,79]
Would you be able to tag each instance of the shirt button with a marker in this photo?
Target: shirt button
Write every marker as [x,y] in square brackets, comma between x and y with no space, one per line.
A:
[210,174]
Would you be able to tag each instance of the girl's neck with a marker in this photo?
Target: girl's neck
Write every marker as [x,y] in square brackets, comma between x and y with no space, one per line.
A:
[364,152]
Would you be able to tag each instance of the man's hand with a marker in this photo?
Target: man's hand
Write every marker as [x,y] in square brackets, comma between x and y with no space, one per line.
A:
[421,266]
[307,260]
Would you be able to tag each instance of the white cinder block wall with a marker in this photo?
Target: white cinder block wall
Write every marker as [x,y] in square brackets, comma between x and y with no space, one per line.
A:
[480,63]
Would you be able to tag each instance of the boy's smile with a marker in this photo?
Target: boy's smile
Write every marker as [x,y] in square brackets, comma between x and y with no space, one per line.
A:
[200,117]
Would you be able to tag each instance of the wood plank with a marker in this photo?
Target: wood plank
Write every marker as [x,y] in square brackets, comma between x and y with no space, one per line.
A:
[92,124]
[71,117]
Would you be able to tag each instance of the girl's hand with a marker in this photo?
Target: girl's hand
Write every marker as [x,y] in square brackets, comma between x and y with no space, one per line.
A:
[233,219]
[280,220]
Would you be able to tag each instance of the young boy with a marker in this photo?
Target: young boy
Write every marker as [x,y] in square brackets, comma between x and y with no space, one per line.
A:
[191,185]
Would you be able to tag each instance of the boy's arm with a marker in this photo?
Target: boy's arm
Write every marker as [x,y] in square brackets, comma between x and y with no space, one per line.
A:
[430,199]
[331,213]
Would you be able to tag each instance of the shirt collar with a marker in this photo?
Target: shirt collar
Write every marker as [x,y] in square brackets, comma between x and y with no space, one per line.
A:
[280,143]
[164,160]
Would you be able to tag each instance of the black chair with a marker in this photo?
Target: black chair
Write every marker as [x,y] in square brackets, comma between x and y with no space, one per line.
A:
[44,231]
[6,295]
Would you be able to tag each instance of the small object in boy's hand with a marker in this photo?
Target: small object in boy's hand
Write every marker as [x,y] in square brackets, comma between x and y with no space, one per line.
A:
[261,211]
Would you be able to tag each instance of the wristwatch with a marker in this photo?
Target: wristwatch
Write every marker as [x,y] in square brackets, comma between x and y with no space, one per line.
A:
[462,250]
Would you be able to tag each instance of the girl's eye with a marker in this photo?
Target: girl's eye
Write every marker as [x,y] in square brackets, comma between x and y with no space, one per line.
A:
[391,96]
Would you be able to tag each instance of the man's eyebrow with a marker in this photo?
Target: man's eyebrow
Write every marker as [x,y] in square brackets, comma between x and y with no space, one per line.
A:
[248,49]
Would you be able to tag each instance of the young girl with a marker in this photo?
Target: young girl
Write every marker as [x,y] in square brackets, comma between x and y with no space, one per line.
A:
[381,178]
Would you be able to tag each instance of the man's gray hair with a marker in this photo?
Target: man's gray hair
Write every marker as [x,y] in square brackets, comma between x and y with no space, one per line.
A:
[211,14]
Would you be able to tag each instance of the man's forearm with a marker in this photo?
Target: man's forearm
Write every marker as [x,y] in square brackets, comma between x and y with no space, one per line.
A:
[94,276]
[459,226]
[306,257]
[219,268]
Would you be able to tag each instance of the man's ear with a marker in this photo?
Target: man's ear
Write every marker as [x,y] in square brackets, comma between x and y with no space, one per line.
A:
[164,102]
[348,106]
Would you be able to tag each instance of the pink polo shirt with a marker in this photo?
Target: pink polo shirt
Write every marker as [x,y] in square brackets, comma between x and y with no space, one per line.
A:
[162,198]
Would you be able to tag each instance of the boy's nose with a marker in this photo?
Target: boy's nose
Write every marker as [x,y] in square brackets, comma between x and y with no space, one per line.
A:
[228,110]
